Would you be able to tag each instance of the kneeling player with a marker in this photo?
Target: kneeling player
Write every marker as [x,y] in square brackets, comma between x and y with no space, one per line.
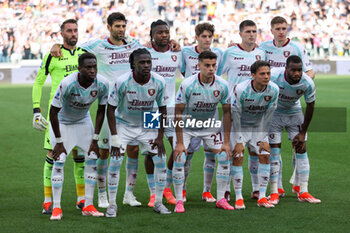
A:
[134,94]
[198,97]
[252,109]
[71,126]
[293,85]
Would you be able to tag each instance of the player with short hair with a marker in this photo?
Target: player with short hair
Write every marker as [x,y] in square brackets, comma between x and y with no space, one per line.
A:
[71,126]
[277,51]
[133,94]
[236,62]
[197,98]
[165,63]
[204,36]
[58,68]
[293,84]
[252,110]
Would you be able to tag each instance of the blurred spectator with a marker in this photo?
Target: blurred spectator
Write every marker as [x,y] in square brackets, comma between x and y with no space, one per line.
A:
[30,27]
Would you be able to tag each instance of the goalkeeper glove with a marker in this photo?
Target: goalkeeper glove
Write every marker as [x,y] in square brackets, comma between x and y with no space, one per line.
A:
[39,121]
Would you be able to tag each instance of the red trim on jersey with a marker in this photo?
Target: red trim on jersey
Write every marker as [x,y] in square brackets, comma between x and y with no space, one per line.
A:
[239,46]
[199,79]
[158,50]
[288,40]
[255,89]
[196,49]
[149,77]
[109,41]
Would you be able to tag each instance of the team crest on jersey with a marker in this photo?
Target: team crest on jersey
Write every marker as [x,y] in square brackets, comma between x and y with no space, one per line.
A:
[299,91]
[151,92]
[258,57]
[286,53]
[174,57]
[267,98]
[216,93]
[93,93]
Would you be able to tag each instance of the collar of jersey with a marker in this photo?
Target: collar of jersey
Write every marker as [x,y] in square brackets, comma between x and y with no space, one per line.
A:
[199,80]
[70,51]
[133,76]
[288,40]
[256,89]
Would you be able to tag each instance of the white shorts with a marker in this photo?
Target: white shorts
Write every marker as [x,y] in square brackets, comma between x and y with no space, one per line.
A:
[292,124]
[211,140]
[75,135]
[251,138]
[144,137]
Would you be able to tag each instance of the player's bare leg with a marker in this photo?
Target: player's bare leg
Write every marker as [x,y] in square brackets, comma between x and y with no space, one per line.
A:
[132,164]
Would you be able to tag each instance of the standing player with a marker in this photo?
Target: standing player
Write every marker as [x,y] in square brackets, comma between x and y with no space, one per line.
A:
[165,63]
[71,126]
[277,51]
[198,97]
[236,62]
[134,94]
[204,36]
[113,56]
[293,84]
[252,110]
[58,68]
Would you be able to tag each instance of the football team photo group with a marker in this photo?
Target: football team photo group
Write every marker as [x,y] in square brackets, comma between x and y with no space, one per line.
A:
[228,102]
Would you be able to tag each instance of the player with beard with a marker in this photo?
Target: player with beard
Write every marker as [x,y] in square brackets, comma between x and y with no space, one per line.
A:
[58,68]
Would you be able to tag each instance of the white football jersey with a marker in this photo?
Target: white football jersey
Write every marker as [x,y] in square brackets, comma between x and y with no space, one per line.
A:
[236,63]
[75,100]
[165,64]
[190,59]
[253,105]
[289,95]
[277,57]
[201,99]
[133,99]
[112,60]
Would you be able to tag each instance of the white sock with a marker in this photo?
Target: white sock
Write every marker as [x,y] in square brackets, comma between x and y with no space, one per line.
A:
[237,180]
[57,178]
[253,164]
[222,174]
[132,166]
[102,167]
[187,167]
[208,170]
[159,176]
[303,171]
[113,178]
[151,184]
[263,175]
[90,175]
[179,176]
[275,167]
[169,178]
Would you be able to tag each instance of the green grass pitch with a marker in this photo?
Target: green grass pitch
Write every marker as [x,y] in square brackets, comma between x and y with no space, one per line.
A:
[21,168]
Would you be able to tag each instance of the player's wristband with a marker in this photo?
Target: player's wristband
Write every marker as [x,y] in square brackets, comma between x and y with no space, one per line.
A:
[115,141]
[36,110]
[95,137]
[59,140]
